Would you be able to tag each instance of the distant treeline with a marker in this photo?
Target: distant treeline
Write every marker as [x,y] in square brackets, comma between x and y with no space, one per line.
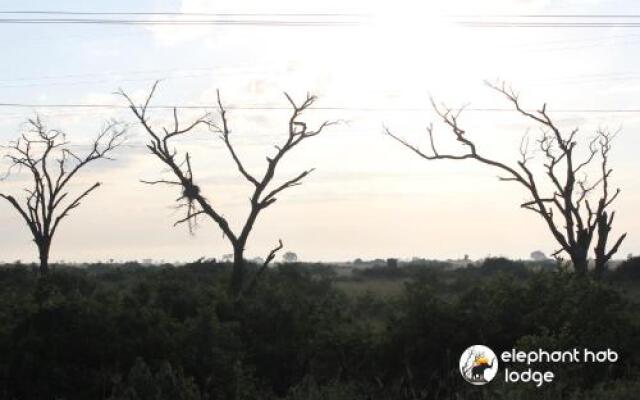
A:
[488,266]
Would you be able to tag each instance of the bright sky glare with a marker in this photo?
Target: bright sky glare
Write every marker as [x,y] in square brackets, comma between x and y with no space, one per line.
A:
[368,197]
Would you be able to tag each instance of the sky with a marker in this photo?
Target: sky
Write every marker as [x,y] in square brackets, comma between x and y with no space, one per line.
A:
[368,197]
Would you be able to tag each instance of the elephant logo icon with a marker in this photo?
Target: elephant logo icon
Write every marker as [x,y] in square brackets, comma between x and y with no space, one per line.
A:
[478,365]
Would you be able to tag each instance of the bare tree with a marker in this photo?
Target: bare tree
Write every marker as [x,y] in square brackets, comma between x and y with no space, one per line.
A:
[195,203]
[51,164]
[576,210]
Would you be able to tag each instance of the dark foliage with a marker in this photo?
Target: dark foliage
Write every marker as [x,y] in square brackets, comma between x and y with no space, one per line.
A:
[628,270]
[121,333]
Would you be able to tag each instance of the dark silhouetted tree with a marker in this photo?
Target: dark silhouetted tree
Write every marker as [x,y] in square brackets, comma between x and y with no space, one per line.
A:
[51,164]
[576,210]
[197,203]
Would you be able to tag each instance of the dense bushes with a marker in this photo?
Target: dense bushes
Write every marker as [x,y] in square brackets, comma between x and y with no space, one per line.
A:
[628,270]
[160,333]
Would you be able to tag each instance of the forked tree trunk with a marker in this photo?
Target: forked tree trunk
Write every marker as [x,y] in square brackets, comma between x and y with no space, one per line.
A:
[600,268]
[578,223]
[580,263]
[265,193]
[600,251]
[238,273]
[43,252]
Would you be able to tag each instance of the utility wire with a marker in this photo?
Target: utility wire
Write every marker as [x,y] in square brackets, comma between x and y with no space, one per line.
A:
[188,14]
[554,16]
[328,108]
[520,24]
[309,14]
[304,23]
[311,19]
[230,22]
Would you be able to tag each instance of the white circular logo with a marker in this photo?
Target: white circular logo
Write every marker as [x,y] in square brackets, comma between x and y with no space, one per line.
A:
[478,365]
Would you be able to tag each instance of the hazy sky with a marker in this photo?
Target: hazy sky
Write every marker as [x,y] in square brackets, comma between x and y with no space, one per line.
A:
[368,196]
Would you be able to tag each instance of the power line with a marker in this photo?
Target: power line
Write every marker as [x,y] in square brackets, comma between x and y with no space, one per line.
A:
[327,108]
[313,19]
[576,16]
[548,21]
[299,23]
[108,79]
[168,22]
[189,14]
[517,24]
[306,14]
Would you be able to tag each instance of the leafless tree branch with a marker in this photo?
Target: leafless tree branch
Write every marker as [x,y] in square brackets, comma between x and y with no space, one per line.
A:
[264,193]
[46,155]
[576,226]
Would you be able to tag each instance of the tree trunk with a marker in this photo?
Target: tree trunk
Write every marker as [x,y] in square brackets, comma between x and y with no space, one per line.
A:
[238,273]
[580,264]
[43,251]
[600,249]
[601,267]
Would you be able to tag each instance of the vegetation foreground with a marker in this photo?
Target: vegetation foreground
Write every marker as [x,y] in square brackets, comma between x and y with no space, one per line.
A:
[308,332]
